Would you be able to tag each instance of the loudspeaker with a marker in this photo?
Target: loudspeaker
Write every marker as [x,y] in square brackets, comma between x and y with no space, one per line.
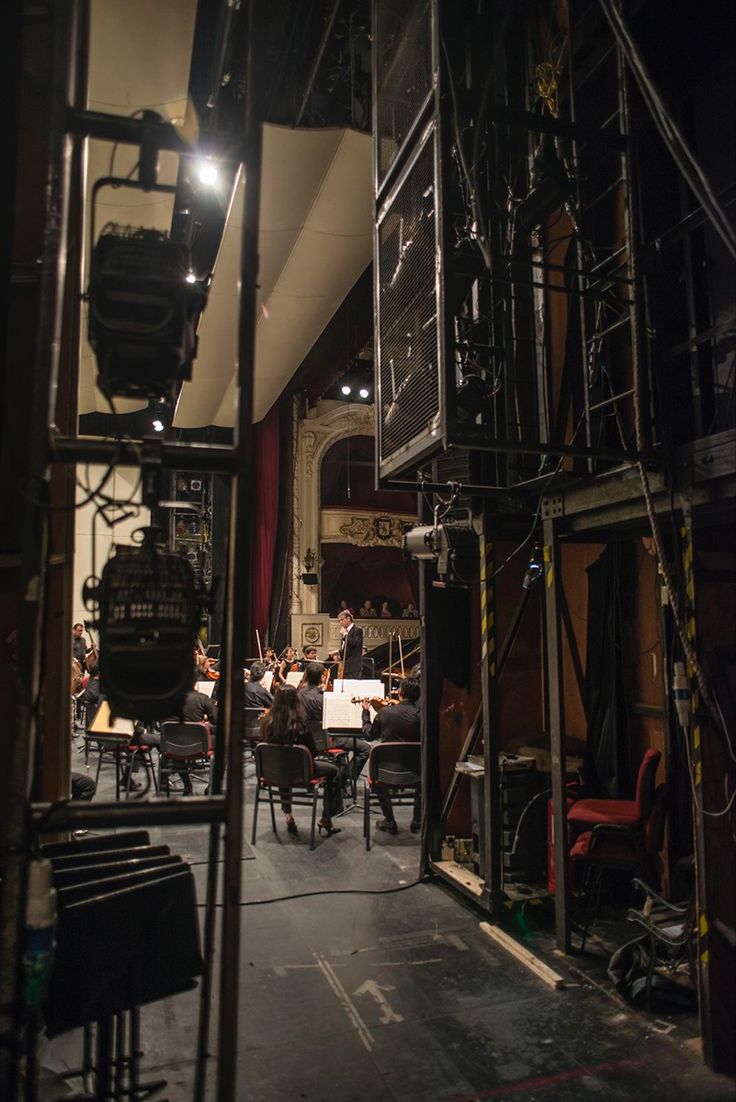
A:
[310,579]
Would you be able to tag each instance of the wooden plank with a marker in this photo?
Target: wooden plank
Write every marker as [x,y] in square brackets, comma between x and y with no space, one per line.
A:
[534,964]
[461,875]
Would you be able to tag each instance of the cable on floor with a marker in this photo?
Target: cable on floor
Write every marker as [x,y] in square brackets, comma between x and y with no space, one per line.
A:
[329,891]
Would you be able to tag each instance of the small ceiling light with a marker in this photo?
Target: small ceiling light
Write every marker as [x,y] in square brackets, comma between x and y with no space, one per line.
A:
[346,389]
[363,392]
[190,277]
[158,426]
[208,173]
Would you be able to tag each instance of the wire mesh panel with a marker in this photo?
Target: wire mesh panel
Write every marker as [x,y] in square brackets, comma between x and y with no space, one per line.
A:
[408,308]
[403,49]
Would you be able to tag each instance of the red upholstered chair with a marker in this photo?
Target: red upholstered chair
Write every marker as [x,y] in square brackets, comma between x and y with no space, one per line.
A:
[614,846]
[630,813]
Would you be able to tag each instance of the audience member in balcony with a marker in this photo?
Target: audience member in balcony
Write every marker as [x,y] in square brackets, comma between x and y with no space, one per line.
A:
[410,612]
[386,613]
[367,610]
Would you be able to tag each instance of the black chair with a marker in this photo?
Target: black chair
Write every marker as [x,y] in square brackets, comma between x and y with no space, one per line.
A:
[287,767]
[114,747]
[252,733]
[395,769]
[185,748]
[671,930]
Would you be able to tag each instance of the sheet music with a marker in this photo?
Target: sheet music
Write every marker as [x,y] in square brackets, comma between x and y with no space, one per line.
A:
[105,724]
[206,687]
[294,678]
[267,680]
[338,711]
[354,687]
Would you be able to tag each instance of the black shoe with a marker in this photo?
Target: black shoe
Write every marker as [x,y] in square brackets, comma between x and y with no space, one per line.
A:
[389,825]
[415,826]
[133,786]
[291,827]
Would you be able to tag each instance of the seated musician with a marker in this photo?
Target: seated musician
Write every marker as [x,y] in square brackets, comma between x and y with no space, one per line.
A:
[310,655]
[270,659]
[289,663]
[256,695]
[311,694]
[285,725]
[194,708]
[396,723]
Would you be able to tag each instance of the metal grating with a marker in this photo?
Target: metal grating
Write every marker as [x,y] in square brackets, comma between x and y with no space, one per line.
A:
[403,51]
[408,344]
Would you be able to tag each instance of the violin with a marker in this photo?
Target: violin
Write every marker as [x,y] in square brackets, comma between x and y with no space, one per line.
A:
[376,702]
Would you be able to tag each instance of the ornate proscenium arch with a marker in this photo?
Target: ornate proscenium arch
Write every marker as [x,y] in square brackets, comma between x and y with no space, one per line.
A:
[376,524]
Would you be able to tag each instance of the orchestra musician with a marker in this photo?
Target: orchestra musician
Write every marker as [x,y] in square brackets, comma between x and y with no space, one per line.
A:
[289,664]
[285,724]
[256,695]
[399,723]
[351,648]
[80,650]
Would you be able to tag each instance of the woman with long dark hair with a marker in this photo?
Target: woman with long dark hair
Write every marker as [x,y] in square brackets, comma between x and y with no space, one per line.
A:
[285,724]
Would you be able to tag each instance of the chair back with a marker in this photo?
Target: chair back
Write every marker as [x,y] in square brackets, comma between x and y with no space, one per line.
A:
[398,764]
[645,783]
[185,740]
[252,724]
[283,766]
[318,733]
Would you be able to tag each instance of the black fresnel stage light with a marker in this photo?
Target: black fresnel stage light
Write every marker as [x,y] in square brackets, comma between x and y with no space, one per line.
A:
[452,545]
[144,304]
[149,611]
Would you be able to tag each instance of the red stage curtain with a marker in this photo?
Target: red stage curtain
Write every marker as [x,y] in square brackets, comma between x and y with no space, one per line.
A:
[265,516]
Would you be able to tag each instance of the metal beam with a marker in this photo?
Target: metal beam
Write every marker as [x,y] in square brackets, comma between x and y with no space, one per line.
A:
[78,815]
[127,453]
[556,718]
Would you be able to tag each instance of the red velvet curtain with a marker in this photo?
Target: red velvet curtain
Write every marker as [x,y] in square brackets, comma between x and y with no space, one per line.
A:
[265,516]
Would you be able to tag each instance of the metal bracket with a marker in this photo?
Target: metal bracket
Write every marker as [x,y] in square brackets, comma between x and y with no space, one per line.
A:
[553,506]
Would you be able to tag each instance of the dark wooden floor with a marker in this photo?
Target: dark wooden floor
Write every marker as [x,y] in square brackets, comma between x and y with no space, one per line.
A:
[354,997]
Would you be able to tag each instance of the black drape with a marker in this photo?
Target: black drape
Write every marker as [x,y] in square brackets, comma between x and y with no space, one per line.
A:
[606,759]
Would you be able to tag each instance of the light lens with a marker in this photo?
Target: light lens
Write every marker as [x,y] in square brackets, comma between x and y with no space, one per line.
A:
[190,277]
[346,389]
[208,173]
[363,392]
[158,426]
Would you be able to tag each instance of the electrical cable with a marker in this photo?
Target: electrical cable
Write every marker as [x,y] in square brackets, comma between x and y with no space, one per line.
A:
[330,891]
[670,133]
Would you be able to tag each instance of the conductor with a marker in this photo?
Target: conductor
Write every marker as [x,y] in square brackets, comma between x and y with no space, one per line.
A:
[351,648]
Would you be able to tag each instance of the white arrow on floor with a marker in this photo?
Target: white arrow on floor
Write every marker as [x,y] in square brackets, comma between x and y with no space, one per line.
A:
[370,987]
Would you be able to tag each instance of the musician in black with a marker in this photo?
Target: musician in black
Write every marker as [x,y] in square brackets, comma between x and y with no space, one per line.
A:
[256,695]
[79,645]
[396,723]
[351,648]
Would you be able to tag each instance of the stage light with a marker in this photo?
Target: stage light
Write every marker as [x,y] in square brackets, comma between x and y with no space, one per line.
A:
[363,392]
[157,426]
[142,322]
[190,277]
[345,389]
[208,173]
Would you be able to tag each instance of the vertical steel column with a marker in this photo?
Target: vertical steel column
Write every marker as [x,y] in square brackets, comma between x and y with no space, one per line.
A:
[32,524]
[696,765]
[238,612]
[492,835]
[556,717]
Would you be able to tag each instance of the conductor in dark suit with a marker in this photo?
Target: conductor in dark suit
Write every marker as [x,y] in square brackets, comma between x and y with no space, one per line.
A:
[351,648]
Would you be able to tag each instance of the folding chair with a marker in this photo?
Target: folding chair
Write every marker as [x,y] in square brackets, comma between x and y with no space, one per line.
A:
[287,767]
[394,768]
[185,748]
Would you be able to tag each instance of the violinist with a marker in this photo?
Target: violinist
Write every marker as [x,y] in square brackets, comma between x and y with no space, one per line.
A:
[310,691]
[256,695]
[270,660]
[400,723]
[289,664]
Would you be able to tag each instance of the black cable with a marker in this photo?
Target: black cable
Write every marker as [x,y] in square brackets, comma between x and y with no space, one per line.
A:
[329,891]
